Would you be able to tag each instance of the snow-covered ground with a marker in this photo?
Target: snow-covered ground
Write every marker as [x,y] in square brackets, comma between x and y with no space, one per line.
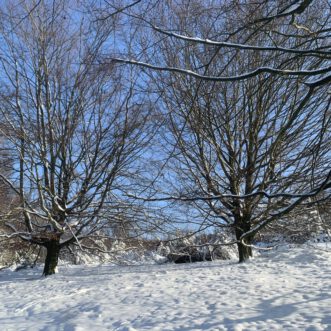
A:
[281,290]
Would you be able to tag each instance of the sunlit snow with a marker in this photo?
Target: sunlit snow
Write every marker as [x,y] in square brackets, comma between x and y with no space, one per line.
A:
[287,289]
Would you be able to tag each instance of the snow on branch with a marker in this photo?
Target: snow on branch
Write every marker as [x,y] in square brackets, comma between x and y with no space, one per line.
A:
[295,8]
[310,52]
[260,70]
[325,185]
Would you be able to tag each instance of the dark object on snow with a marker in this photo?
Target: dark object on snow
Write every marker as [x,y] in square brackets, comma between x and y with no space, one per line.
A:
[196,254]
[24,266]
[186,258]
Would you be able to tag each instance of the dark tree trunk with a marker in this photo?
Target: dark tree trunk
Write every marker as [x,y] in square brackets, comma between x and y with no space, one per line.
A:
[245,252]
[52,257]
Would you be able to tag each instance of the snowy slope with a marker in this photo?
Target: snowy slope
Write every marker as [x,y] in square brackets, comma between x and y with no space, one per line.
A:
[284,290]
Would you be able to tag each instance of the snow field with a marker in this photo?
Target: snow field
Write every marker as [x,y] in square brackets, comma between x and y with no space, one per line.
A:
[284,290]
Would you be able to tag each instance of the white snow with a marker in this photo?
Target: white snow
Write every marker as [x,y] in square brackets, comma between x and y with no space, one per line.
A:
[287,289]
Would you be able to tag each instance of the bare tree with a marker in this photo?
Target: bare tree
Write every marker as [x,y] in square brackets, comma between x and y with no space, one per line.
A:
[245,86]
[75,131]
[295,29]
[235,141]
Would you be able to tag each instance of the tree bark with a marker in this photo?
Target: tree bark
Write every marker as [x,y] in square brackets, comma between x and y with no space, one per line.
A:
[52,257]
[244,250]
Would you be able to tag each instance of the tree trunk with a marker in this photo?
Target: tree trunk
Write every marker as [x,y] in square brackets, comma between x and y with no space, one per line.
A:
[52,257]
[245,252]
